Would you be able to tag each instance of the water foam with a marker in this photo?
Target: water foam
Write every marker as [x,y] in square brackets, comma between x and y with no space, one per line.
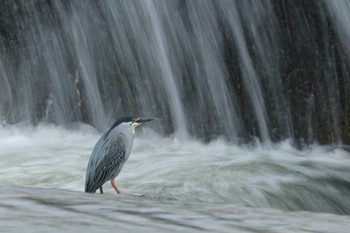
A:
[261,175]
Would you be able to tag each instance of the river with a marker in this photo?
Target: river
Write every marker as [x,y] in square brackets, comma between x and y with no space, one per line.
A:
[170,184]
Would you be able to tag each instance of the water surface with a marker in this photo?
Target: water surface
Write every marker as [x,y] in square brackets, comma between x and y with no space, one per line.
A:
[168,183]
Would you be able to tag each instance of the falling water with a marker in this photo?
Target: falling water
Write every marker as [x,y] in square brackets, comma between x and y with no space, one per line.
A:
[339,11]
[250,77]
[205,68]
[252,101]
[176,108]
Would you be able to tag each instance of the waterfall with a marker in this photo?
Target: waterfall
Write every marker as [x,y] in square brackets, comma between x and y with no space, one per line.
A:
[176,108]
[271,70]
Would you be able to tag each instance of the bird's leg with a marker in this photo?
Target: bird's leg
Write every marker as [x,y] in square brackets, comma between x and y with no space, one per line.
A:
[115,186]
[101,190]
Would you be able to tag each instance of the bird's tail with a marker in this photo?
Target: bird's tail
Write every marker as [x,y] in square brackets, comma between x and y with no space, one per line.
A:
[90,187]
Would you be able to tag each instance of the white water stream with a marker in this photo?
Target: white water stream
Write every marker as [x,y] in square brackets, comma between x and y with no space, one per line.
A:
[220,185]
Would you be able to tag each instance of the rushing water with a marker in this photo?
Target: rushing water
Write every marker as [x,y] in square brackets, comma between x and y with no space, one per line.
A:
[235,85]
[270,69]
[180,185]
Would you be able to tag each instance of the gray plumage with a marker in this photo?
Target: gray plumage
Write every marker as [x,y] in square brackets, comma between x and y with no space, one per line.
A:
[111,152]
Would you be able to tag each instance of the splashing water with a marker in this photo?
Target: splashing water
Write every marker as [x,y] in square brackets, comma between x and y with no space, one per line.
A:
[183,185]
[225,72]
[273,175]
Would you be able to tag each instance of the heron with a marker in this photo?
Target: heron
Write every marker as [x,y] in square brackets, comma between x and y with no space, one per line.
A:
[110,153]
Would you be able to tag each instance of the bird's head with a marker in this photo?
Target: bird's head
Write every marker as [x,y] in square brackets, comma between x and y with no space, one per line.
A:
[136,121]
[130,122]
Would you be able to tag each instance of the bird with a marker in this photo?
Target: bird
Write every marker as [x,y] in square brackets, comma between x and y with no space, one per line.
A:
[111,152]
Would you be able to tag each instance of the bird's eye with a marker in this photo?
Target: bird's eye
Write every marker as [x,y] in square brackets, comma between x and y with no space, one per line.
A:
[135,120]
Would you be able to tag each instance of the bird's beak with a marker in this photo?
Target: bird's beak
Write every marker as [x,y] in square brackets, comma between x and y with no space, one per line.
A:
[143,120]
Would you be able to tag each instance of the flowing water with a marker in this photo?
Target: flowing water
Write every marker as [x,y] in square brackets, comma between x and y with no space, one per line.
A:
[184,186]
[236,86]
[275,70]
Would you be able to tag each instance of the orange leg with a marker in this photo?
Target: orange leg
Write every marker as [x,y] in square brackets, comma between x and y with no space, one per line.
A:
[101,190]
[115,186]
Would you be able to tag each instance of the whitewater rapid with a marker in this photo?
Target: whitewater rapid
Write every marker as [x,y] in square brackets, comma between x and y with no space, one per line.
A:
[271,175]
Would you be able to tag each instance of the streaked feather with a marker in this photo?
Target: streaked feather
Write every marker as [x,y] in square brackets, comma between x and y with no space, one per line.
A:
[107,160]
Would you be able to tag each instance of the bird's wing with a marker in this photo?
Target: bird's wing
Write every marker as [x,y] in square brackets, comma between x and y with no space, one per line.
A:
[106,162]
